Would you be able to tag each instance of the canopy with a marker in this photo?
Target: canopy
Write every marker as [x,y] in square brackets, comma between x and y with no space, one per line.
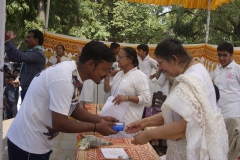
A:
[199,4]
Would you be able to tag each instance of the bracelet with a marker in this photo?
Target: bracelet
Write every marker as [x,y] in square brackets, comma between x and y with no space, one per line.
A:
[149,121]
[149,138]
[94,130]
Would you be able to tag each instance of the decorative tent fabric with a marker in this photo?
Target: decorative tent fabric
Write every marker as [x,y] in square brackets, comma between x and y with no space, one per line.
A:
[200,4]
[204,53]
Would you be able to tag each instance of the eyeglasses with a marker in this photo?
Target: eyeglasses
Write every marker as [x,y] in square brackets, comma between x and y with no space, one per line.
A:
[223,55]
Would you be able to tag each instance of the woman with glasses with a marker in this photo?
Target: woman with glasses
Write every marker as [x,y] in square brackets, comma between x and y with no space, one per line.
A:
[190,119]
[129,85]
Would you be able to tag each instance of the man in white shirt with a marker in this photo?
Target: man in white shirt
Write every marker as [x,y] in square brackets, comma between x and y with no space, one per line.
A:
[52,97]
[146,63]
[227,78]
[115,47]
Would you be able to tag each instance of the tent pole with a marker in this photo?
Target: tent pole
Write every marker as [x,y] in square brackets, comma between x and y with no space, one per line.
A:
[2,40]
[208,21]
[47,15]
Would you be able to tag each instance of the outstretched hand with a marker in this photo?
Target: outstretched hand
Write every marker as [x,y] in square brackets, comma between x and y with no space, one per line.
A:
[135,127]
[105,128]
[140,138]
[9,35]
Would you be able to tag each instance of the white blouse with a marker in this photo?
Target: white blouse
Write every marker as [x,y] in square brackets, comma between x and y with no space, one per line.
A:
[133,83]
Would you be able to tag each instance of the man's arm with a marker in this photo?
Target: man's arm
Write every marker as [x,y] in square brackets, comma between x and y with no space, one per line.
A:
[61,123]
[15,55]
[83,115]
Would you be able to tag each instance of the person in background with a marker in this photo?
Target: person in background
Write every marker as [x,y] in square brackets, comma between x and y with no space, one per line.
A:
[190,119]
[59,57]
[129,85]
[16,73]
[115,47]
[6,82]
[10,97]
[146,63]
[227,79]
[33,61]
[52,97]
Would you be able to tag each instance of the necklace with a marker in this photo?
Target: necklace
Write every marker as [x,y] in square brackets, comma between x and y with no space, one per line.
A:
[187,65]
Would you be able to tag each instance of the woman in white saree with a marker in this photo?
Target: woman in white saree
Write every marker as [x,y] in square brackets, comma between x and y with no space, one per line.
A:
[190,119]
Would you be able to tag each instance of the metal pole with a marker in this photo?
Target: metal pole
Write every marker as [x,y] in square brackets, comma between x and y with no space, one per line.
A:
[208,21]
[47,15]
[2,40]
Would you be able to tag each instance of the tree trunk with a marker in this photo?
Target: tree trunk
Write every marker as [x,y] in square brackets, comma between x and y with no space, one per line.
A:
[41,10]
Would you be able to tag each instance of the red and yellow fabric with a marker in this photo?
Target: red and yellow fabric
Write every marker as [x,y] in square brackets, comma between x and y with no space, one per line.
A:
[200,4]
[137,152]
[204,53]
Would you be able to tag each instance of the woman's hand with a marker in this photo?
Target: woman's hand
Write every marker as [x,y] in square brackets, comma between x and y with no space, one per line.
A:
[135,127]
[120,98]
[141,138]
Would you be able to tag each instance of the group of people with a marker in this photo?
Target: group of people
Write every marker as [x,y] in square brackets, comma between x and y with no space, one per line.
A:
[191,119]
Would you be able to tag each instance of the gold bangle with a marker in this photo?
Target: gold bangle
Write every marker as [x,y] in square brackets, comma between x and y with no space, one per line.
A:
[149,138]
[149,121]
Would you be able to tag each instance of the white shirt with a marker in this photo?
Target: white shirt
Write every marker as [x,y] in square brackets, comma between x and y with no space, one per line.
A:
[147,65]
[133,83]
[47,92]
[53,59]
[227,80]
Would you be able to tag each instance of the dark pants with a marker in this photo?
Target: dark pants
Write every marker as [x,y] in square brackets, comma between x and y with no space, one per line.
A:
[23,93]
[16,153]
[10,110]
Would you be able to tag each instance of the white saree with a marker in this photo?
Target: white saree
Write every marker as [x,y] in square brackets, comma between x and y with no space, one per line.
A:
[206,134]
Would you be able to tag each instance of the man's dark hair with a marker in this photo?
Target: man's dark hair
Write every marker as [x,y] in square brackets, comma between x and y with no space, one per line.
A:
[132,54]
[37,34]
[114,45]
[96,51]
[225,46]
[143,47]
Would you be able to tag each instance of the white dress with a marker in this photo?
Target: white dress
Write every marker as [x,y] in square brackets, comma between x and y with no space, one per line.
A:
[133,83]
[206,134]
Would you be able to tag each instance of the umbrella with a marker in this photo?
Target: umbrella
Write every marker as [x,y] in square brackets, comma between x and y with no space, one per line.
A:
[198,4]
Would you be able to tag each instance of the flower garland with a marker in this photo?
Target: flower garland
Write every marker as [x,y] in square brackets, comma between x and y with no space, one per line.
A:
[85,142]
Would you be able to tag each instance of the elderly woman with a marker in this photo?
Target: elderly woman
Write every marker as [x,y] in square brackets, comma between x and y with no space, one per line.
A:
[190,118]
[59,57]
[129,85]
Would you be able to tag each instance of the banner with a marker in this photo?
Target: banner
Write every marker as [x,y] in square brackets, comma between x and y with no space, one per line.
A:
[204,53]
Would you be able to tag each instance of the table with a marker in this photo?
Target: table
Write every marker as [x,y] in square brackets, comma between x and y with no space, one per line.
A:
[137,152]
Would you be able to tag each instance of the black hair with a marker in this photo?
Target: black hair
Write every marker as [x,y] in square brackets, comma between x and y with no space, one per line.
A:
[16,70]
[225,46]
[114,45]
[132,54]
[96,51]
[37,34]
[217,92]
[169,47]
[143,47]
[61,46]
[11,76]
